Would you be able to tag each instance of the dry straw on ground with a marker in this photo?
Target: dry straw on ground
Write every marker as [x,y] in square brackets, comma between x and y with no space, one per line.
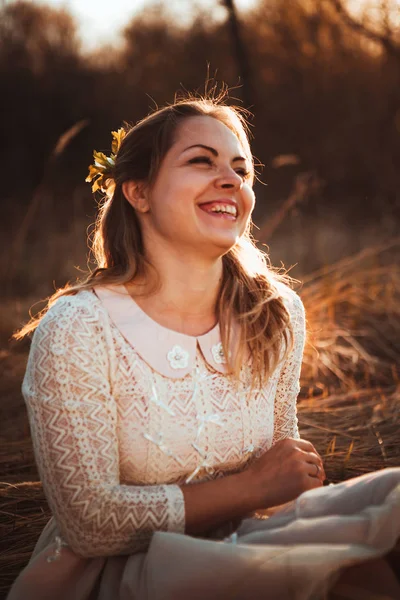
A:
[349,403]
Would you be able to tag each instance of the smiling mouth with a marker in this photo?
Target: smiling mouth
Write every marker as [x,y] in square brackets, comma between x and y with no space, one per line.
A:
[218,209]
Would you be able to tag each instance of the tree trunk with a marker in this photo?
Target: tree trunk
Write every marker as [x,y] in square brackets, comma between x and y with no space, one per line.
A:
[241,56]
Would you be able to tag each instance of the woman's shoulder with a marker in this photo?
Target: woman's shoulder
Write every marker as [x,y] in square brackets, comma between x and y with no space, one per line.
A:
[81,300]
[74,330]
[69,309]
[290,298]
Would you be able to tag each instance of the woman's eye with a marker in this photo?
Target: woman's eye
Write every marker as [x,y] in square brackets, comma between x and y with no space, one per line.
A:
[200,159]
[243,173]
[207,160]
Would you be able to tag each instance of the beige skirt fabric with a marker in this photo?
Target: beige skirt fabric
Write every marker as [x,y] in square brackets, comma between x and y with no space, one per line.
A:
[296,554]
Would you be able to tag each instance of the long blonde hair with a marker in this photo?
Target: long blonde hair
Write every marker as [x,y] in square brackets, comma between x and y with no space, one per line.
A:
[248,292]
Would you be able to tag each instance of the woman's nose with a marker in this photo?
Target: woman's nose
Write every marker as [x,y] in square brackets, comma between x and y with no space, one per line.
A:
[229,179]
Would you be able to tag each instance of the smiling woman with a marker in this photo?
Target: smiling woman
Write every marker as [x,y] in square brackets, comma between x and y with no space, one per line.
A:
[161,394]
[202,199]
[188,266]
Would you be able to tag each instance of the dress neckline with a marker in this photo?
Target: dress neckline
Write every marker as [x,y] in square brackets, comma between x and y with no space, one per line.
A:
[157,324]
[168,352]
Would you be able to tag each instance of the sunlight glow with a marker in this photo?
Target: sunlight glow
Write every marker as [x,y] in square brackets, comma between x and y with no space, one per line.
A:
[101,22]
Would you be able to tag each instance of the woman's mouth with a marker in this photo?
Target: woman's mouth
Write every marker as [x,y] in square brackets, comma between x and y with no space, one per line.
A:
[220,210]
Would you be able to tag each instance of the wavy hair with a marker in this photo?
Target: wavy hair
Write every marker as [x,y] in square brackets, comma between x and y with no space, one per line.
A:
[248,291]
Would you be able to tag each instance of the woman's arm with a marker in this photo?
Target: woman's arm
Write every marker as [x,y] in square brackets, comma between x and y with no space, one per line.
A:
[73,419]
[285,403]
[288,388]
[214,503]
[230,498]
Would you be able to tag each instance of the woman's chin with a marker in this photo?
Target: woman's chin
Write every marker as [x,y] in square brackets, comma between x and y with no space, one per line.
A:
[220,231]
[222,242]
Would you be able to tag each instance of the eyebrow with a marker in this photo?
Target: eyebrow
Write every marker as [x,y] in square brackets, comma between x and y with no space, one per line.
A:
[213,151]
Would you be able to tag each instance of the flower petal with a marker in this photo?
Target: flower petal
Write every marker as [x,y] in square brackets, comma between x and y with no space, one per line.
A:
[96,186]
[100,159]
[93,171]
[118,137]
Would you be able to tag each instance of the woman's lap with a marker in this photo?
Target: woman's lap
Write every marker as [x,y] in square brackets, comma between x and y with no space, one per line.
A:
[297,552]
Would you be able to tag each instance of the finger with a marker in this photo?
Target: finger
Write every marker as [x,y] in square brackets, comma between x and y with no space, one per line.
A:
[312,457]
[315,471]
[315,465]
[314,482]
[304,445]
[319,471]
[308,447]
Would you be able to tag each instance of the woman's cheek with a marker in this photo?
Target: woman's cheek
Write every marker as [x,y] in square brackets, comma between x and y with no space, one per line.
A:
[249,200]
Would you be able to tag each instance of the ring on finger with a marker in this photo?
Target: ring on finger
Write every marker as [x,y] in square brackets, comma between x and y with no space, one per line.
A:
[318,469]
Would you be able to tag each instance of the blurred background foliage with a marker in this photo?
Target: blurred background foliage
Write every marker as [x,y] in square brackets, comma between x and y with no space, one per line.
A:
[324,88]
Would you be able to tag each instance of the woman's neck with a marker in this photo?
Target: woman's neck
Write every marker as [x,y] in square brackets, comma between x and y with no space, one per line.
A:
[186,298]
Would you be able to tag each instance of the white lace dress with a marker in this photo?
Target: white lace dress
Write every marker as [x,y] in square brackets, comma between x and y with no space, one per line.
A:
[122,411]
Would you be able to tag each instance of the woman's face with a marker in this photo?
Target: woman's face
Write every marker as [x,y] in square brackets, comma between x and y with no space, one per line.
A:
[202,198]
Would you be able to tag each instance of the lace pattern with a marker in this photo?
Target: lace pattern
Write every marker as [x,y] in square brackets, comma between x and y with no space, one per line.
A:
[114,439]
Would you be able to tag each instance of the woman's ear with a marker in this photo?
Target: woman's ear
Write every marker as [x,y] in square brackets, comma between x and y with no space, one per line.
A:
[134,192]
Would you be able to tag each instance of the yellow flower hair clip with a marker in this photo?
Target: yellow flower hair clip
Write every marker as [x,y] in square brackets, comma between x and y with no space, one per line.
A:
[100,173]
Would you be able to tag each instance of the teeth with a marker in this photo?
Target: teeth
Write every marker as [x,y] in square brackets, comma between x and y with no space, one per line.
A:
[225,208]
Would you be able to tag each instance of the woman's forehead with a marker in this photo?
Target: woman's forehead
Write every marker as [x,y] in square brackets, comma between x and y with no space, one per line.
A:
[206,131]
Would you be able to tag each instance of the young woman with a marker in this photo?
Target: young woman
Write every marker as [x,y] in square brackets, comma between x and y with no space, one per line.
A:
[162,394]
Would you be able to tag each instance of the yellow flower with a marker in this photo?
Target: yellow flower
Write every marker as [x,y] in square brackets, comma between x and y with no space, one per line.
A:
[100,173]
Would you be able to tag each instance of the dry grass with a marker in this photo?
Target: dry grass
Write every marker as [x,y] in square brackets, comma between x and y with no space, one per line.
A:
[353,317]
[349,403]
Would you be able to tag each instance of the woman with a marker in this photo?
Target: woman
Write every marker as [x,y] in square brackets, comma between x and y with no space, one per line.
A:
[162,393]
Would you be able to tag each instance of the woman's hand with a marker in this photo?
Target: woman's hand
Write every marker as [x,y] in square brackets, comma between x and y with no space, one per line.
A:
[283,472]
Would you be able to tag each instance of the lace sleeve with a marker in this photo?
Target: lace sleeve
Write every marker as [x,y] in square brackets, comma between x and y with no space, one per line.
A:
[285,412]
[73,419]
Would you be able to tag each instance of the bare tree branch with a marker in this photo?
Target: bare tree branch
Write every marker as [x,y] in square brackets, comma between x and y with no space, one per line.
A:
[242,59]
[305,185]
[384,40]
